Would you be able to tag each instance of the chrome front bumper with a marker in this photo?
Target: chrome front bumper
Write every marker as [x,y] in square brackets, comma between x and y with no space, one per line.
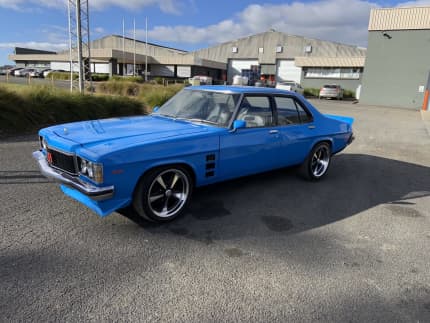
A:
[94,192]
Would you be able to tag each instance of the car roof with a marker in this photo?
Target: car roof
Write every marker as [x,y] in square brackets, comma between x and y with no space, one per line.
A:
[237,89]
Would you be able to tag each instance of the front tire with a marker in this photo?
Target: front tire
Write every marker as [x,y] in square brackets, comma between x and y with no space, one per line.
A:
[317,163]
[163,193]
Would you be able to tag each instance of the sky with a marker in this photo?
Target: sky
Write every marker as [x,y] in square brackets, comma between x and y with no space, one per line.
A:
[188,24]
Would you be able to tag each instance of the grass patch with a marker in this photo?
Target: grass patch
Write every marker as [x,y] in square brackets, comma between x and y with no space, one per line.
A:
[65,76]
[150,95]
[133,79]
[27,109]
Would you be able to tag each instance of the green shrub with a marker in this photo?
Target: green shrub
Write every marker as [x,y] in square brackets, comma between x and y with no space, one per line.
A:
[118,88]
[31,108]
[134,79]
[348,94]
[96,77]
[157,95]
[311,92]
[150,94]
[158,80]
[62,76]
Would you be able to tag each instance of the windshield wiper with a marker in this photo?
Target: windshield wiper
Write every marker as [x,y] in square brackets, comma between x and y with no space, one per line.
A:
[200,120]
[165,115]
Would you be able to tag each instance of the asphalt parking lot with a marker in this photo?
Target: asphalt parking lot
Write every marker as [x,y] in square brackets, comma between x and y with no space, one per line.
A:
[34,81]
[269,248]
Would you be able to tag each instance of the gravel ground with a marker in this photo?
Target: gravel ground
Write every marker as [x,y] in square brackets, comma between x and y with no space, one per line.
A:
[270,248]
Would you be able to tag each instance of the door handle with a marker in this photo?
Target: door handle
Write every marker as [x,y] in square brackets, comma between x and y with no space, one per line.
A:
[311,127]
[274,131]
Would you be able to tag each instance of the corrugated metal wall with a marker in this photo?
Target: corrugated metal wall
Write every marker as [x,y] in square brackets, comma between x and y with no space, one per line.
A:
[292,46]
[115,42]
[399,18]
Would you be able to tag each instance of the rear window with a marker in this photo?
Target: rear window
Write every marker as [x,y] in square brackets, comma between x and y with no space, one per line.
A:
[331,86]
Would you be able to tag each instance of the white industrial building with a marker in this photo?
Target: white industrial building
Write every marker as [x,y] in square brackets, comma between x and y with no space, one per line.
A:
[270,56]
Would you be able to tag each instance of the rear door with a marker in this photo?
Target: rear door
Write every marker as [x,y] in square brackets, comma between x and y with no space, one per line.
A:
[255,148]
[296,129]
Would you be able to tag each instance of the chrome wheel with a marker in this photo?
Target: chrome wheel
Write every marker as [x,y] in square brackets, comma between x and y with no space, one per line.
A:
[168,193]
[320,160]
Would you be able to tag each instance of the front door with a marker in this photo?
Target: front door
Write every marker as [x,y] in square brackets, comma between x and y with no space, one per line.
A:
[252,149]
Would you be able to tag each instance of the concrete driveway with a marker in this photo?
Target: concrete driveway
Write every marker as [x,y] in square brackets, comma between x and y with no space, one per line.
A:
[270,248]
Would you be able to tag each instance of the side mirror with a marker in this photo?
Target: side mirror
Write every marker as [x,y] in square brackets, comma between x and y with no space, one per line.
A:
[155,109]
[238,124]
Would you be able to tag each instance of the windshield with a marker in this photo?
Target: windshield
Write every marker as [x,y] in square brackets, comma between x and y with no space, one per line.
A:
[201,106]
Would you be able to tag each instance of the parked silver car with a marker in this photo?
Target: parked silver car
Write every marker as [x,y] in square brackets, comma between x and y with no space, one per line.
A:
[290,86]
[333,91]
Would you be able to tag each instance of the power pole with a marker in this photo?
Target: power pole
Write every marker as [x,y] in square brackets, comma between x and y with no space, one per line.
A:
[79,44]
[146,49]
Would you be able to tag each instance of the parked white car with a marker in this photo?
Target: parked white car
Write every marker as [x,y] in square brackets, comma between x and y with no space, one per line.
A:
[45,73]
[331,91]
[290,86]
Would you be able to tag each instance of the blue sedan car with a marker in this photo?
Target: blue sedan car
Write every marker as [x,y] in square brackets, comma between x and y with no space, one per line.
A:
[203,135]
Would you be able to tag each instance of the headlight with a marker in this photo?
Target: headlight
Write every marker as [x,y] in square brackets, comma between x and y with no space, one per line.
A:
[43,143]
[90,169]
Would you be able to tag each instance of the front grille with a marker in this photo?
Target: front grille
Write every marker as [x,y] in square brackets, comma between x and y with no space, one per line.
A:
[62,161]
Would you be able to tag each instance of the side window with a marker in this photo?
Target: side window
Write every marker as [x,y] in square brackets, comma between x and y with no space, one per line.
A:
[305,117]
[290,111]
[256,111]
[287,111]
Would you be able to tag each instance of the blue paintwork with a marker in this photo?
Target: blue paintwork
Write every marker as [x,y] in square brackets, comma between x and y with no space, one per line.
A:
[129,147]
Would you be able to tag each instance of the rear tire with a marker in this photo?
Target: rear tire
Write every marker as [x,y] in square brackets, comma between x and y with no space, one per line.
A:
[317,163]
[163,193]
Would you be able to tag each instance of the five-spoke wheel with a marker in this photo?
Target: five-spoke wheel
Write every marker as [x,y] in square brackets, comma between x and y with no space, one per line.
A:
[163,193]
[317,162]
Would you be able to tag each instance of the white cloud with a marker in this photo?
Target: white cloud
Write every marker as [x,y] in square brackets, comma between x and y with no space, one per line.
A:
[344,21]
[99,30]
[36,45]
[319,19]
[168,6]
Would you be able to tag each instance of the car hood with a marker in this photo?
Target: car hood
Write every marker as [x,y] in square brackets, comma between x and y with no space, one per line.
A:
[137,129]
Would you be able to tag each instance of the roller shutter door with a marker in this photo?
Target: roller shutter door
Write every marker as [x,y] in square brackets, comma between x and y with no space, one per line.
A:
[235,66]
[183,71]
[286,70]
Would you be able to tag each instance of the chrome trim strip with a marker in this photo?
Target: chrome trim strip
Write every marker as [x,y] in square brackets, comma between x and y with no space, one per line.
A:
[61,151]
[92,191]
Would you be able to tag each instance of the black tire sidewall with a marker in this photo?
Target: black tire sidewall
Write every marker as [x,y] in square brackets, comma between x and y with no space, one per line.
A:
[141,192]
[307,165]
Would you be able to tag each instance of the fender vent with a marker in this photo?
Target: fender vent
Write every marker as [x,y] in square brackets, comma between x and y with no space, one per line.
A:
[210,165]
[210,157]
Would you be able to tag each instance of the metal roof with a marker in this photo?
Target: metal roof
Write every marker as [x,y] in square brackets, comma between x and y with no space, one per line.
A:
[330,61]
[399,19]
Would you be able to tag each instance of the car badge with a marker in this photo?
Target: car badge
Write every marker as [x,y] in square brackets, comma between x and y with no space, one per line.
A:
[66,131]
[49,158]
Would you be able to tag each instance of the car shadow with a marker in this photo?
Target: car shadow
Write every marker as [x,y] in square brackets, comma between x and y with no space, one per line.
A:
[280,202]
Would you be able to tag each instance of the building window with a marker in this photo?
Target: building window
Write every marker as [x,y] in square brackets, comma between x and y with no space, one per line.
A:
[234,49]
[333,72]
[261,50]
[279,49]
[308,49]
